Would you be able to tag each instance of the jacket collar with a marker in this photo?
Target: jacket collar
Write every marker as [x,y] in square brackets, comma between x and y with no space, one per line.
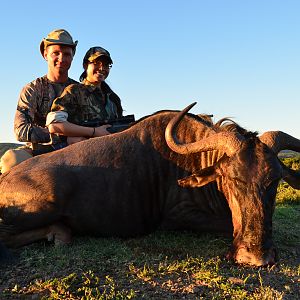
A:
[91,87]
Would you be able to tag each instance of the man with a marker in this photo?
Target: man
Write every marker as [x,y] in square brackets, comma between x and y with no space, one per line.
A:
[36,98]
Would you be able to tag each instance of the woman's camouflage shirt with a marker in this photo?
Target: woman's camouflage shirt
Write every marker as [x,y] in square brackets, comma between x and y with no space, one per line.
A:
[86,102]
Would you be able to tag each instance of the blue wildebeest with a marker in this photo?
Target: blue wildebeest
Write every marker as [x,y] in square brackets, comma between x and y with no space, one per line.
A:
[171,170]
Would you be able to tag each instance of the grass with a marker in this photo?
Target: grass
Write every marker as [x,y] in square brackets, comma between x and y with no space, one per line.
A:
[162,265]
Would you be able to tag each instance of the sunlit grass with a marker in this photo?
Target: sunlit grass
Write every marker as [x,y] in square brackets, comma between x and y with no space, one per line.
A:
[204,278]
[287,195]
[86,286]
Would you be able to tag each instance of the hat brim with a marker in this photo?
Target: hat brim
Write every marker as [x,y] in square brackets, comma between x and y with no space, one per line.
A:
[50,42]
[94,57]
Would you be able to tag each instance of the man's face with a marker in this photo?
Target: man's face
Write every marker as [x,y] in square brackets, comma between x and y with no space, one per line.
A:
[59,58]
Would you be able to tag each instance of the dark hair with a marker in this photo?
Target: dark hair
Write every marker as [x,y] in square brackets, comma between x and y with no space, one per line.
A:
[82,76]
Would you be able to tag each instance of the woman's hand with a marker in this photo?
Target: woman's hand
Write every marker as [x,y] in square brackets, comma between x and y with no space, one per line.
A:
[101,131]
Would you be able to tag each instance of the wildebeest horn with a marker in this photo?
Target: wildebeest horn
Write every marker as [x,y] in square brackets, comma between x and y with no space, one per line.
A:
[228,141]
[278,140]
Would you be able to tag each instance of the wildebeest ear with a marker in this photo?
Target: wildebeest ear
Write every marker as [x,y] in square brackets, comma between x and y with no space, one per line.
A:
[292,177]
[199,179]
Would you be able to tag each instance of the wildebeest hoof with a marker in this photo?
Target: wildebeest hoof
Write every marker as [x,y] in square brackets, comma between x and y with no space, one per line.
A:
[60,234]
[50,237]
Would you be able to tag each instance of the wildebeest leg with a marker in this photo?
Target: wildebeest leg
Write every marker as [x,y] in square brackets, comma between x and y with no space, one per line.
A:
[5,255]
[59,233]
[185,215]
[202,224]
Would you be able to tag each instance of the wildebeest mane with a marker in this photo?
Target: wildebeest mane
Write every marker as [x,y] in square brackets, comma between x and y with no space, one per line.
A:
[224,124]
[204,118]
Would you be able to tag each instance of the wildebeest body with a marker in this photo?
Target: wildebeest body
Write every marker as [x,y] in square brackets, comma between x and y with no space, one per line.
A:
[121,185]
[126,185]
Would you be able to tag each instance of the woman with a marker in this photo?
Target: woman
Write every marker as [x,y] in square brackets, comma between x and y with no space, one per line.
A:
[91,100]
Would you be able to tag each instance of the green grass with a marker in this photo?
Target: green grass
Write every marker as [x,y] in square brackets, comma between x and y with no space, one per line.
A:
[287,195]
[84,286]
[292,162]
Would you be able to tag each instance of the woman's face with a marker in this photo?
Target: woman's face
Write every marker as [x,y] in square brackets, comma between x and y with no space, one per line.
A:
[98,70]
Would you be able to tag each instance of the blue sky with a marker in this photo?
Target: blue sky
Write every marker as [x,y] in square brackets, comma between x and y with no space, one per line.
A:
[238,59]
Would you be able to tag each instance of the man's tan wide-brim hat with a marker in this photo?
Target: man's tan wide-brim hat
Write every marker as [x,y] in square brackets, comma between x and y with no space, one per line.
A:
[58,37]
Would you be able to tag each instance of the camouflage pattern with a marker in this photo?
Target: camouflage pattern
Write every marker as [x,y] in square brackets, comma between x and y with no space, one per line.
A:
[93,53]
[86,102]
[58,37]
[34,103]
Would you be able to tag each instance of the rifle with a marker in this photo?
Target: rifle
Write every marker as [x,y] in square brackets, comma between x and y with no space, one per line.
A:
[117,125]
